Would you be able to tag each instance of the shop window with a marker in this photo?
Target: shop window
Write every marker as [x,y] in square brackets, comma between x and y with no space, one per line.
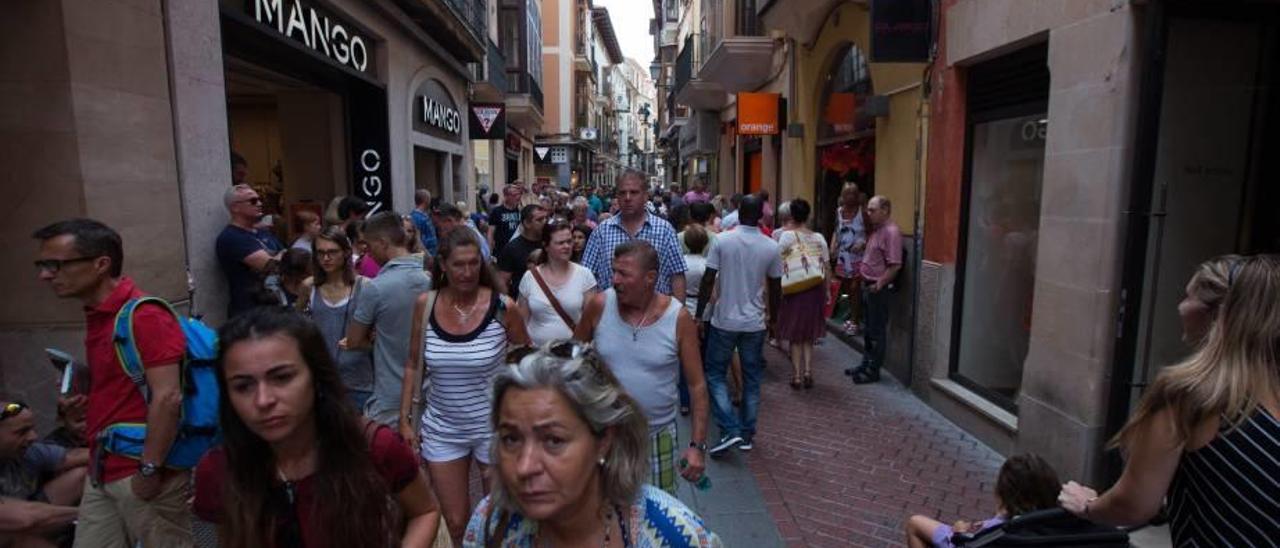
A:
[1007,125]
[846,137]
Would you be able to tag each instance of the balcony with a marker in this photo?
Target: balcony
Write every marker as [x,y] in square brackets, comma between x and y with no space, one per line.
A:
[739,58]
[524,101]
[461,26]
[690,90]
[490,76]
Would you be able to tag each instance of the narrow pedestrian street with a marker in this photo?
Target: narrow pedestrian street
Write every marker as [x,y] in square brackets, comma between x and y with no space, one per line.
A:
[843,465]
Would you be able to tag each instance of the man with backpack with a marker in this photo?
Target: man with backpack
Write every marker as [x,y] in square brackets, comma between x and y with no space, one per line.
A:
[127,499]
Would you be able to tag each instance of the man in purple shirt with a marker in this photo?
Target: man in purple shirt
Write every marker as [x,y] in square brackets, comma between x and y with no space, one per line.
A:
[880,265]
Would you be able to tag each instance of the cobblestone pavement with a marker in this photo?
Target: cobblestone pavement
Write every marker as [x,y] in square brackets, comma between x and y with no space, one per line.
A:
[845,465]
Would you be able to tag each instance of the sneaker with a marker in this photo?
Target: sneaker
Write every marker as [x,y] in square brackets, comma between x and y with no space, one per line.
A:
[726,443]
[747,444]
[866,375]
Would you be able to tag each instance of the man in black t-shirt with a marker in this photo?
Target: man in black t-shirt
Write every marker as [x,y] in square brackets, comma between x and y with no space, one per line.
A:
[248,256]
[515,256]
[504,220]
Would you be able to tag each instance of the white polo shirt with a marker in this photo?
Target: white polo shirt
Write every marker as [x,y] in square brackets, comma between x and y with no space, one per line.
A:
[751,259]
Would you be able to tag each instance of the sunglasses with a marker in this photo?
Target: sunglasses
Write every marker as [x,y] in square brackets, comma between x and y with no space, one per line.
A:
[254,201]
[12,409]
[53,266]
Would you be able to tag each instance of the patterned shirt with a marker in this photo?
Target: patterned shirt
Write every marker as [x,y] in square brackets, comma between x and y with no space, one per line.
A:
[598,255]
[655,520]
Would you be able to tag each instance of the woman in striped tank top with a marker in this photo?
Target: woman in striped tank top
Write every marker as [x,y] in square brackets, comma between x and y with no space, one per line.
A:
[1207,433]
[462,329]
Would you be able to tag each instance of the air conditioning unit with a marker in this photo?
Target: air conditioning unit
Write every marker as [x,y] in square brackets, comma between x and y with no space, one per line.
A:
[669,35]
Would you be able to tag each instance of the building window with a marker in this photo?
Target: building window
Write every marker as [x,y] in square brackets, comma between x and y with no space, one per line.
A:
[1007,105]
[533,47]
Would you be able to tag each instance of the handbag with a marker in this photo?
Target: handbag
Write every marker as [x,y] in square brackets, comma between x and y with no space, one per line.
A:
[551,297]
[802,269]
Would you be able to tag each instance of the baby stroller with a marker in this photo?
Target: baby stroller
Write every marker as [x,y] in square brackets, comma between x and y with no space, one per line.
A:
[1052,527]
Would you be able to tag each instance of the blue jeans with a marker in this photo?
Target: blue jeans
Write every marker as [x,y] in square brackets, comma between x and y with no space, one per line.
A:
[875,327]
[720,346]
[358,398]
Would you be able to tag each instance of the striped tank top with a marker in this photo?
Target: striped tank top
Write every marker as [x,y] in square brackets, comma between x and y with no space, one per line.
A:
[1227,493]
[461,368]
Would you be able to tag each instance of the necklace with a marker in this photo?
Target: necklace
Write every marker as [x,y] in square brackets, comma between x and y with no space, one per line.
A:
[288,485]
[635,329]
[470,310]
[608,526]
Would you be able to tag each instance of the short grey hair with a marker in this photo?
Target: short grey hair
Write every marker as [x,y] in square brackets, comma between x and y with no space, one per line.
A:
[633,175]
[229,197]
[577,372]
[784,210]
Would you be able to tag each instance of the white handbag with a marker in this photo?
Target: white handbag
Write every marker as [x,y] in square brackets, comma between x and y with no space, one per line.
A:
[801,267]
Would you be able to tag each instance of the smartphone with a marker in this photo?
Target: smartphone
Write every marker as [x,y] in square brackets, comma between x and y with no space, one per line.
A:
[62,360]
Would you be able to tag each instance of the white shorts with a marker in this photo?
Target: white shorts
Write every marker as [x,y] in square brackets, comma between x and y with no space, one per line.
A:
[437,450]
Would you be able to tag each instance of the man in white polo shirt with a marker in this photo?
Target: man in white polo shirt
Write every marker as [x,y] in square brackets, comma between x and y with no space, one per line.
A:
[738,320]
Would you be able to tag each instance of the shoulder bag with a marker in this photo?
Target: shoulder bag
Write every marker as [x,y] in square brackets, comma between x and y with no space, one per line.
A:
[551,297]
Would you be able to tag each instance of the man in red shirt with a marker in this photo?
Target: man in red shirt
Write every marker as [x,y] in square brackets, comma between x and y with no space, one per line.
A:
[880,265]
[125,500]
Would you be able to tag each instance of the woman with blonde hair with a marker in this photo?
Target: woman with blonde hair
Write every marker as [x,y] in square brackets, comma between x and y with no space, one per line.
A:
[1206,434]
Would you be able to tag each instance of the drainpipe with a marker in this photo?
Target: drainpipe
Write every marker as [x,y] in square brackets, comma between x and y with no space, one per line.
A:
[916,218]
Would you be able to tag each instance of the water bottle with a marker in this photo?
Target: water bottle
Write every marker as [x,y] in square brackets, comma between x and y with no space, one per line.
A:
[703,482]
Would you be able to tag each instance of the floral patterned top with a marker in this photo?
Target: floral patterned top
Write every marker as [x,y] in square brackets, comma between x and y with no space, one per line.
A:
[655,520]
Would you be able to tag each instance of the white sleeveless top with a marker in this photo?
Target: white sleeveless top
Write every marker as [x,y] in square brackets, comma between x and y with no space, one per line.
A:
[461,368]
[645,361]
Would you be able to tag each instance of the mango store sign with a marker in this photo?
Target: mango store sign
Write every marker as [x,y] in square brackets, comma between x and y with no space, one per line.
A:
[315,27]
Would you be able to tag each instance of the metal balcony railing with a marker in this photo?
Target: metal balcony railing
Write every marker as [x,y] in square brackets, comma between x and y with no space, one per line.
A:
[494,68]
[472,13]
[519,81]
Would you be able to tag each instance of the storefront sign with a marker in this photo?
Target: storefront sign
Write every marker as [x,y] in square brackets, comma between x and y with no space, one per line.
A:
[370,147]
[901,31]
[488,121]
[758,113]
[317,28]
[512,146]
[436,112]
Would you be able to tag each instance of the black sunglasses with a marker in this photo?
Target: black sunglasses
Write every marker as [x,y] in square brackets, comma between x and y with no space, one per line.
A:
[53,266]
[12,409]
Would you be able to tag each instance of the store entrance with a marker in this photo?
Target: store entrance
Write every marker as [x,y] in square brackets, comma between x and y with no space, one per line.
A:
[1213,190]
[291,135]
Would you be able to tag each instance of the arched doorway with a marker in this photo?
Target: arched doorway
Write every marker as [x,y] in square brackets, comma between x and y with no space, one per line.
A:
[846,136]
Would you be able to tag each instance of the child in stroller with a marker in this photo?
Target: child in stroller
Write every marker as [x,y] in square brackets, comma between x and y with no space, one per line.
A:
[1026,483]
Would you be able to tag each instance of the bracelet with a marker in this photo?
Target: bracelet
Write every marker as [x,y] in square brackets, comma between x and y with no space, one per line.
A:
[1086,506]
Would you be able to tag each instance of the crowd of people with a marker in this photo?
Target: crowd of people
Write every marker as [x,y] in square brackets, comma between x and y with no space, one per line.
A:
[551,343]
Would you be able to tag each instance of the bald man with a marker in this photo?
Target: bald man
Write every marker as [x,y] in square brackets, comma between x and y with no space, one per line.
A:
[880,265]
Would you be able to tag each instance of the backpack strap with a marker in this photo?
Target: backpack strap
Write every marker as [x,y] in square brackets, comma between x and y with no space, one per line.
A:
[126,343]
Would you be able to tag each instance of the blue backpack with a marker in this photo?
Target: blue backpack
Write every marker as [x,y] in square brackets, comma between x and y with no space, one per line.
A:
[198,428]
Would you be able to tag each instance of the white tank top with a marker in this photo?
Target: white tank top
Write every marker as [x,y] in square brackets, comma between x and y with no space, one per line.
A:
[645,361]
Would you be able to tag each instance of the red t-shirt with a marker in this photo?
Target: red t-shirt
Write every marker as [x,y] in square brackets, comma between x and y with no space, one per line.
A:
[392,458]
[113,397]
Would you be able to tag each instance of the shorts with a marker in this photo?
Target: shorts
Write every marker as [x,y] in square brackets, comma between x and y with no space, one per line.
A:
[662,457]
[436,449]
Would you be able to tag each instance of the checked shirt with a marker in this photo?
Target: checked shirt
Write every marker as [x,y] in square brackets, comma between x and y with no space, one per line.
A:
[598,255]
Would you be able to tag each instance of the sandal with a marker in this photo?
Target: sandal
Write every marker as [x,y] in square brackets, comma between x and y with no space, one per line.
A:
[796,383]
[808,380]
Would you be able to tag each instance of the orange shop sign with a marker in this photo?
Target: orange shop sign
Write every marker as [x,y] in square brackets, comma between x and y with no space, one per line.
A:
[758,113]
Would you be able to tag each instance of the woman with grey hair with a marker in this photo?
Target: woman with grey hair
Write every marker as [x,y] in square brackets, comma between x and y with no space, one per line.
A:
[571,458]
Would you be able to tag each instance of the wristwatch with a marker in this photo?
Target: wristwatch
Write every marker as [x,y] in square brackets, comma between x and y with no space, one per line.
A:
[148,469]
[701,446]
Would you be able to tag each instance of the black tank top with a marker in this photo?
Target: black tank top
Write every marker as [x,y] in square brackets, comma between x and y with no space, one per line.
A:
[1227,493]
